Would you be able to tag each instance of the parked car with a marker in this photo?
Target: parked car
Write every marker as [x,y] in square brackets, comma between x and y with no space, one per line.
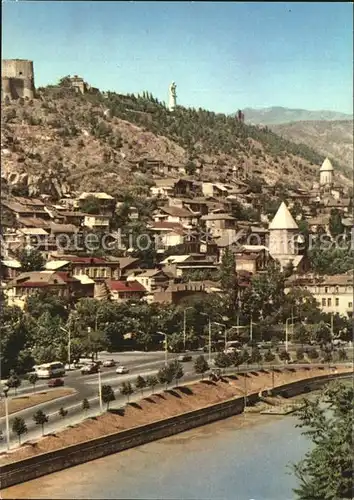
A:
[122,369]
[109,363]
[88,369]
[184,358]
[55,382]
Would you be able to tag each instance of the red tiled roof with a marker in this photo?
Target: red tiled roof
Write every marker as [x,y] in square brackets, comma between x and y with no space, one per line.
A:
[65,276]
[36,284]
[125,286]
[84,260]
[166,225]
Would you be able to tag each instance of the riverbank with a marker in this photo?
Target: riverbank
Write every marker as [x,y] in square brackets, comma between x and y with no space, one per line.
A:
[170,403]
[96,479]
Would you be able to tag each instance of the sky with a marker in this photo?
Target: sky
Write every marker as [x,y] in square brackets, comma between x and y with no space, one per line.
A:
[222,56]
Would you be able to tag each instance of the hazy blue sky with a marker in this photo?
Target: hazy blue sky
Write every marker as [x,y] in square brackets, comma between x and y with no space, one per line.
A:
[223,56]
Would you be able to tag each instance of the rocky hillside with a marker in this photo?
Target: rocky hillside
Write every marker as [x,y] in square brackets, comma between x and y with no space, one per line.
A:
[276,115]
[64,142]
[331,138]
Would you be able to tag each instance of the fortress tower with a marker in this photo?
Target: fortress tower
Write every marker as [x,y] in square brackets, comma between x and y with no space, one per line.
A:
[17,79]
[326,174]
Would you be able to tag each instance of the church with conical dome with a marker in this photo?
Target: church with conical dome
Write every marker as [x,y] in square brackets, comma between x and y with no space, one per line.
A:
[284,239]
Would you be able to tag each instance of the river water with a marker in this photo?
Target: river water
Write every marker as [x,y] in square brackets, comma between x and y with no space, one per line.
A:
[244,457]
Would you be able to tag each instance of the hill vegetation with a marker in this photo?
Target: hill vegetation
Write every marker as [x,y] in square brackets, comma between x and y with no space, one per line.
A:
[66,141]
[331,138]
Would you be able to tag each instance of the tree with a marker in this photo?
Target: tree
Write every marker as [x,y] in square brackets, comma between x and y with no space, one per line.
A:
[19,427]
[31,260]
[313,353]
[229,283]
[165,375]
[236,358]
[336,227]
[14,381]
[342,354]
[152,382]
[245,356]
[301,334]
[15,338]
[40,418]
[91,205]
[256,356]
[326,472]
[284,356]
[42,301]
[85,405]
[177,370]
[222,360]
[327,356]
[107,395]
[62,412]
[33,379]
[300,354]
[65,81]
[140,383]
[269,356]
[201,365]
[126,389]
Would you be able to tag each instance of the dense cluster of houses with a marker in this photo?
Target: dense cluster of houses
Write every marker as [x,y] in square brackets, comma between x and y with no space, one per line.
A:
[192,227]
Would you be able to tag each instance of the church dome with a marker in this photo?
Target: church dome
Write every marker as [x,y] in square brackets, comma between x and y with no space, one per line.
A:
[283,219]
[326,166]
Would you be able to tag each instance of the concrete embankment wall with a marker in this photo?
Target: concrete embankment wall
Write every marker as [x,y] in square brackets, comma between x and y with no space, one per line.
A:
[54,461]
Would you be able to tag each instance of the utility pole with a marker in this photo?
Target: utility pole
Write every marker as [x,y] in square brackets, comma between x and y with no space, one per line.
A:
[69,344]
[209,342]
[100,390]
[6,390]
[245,391]
[332,329]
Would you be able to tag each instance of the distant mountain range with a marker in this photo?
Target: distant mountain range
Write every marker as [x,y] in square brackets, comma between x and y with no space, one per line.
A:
[277,115]
[333,138]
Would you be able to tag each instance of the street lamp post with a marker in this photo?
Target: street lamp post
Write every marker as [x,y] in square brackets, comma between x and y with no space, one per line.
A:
[166,347]
[287,331]
[69,345]
[5,391]
[184,327]
[207,315]
[245,391]
[100,390]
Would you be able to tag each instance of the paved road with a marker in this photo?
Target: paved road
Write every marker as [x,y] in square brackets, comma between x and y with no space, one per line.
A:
[87,387]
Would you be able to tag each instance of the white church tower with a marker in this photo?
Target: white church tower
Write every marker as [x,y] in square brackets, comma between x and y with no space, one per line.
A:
[326,174]
[282,236]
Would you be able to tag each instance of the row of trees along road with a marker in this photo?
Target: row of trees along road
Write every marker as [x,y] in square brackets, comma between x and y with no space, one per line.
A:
[34,335]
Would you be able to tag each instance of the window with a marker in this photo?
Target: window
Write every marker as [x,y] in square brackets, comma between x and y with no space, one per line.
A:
[350,305]
[326,289]
[329,302]
[337,289]
[337,302]
[323,302]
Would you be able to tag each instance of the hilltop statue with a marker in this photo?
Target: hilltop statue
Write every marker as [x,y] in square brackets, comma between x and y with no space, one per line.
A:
[172,96]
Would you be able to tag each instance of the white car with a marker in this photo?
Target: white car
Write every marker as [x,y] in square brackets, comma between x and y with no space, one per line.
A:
[122,369]
[109,363]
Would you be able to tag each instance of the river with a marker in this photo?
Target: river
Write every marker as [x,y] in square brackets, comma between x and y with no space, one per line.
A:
[244,457]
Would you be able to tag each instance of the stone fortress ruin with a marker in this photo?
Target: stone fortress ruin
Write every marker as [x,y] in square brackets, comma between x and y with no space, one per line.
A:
[17,79]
